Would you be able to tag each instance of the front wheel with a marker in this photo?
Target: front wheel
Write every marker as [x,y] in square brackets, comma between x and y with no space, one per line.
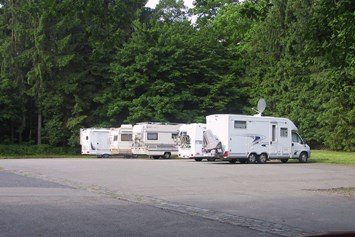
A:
[303,157]
[198,159]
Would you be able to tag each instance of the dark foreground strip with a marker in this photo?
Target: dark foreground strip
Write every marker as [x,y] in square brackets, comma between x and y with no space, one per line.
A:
[251,223]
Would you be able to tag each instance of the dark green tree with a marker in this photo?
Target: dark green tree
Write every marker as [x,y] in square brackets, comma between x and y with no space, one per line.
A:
[333,59]
[13,99]
[171,71]
[234,25]
[206,10]
[56,56]
[296,61]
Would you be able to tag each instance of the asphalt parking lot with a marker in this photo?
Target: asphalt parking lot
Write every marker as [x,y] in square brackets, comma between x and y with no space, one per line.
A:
[142,197]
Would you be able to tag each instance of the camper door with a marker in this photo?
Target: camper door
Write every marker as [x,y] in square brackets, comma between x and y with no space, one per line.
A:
[280,137]
[273,146]
[284,140]
[101,142]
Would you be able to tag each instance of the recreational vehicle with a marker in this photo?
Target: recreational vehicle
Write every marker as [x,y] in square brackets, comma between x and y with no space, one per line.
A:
[257,138]
[95,141]
[190,141]
[155,139]
[121,140]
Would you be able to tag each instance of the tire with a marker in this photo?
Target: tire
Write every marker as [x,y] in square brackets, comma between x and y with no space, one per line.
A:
[303,157]
[198,159]
[232,161]
[262,159]
[156,157]
[211,159]
[166,155]
[252,158]
[284,160]
[105,156]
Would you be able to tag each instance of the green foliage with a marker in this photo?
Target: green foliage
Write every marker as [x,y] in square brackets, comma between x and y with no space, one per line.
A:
[31,150]
[170,71]
[301,72]
[55,131]
[206,10]
[55,59]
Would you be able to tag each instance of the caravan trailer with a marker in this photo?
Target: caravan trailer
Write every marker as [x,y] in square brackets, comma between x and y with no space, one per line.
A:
[121,140]
[257,138]
[190,141]
[95,141]
[155,139]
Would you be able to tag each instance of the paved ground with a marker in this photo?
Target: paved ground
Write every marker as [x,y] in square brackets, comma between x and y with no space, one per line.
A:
[139,197]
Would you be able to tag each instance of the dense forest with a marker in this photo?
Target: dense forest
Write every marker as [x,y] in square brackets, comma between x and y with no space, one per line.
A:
[99,63]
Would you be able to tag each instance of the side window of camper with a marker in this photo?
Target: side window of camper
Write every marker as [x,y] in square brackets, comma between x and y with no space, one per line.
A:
[283,132]
[115,138]
[174,135]
[273,133]
[152,136]
[296,138]
[240,124]
[126,137]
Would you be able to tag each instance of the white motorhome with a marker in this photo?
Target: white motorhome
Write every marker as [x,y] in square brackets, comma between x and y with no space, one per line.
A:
[257,138]
[155,139]
[95,141]
[190,141]
[121,140]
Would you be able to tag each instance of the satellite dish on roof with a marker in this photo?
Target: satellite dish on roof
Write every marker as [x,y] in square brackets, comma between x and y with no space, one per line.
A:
[261,106]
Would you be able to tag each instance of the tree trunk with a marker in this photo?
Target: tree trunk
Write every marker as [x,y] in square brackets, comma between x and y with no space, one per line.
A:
[39,128]
[12,132]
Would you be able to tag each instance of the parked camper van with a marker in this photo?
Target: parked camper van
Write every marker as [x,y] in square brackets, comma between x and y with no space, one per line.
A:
[257,138]
[95,141]
[190,141]
[121,140]
[155,139]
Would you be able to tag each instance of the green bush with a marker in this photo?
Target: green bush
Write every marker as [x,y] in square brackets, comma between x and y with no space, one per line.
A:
[44,149]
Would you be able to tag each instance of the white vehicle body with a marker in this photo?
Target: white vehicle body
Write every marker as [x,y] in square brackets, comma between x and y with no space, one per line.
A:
[257,138]
[95,141]
[121,140]
[190,140]
[155,139]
